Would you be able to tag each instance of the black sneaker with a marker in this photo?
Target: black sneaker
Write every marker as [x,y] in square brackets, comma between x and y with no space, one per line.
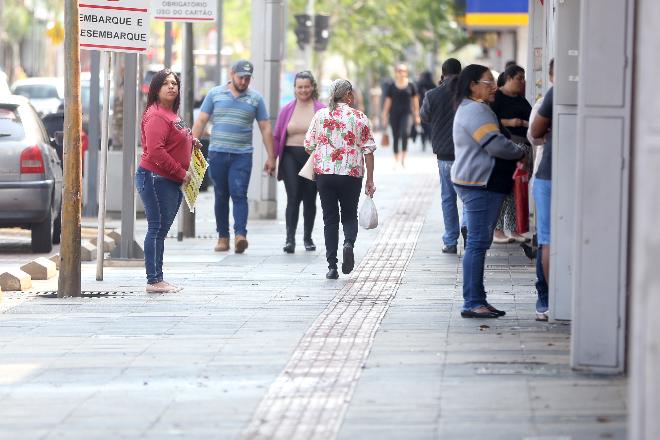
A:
[332,274]
[449,249]
[348,262]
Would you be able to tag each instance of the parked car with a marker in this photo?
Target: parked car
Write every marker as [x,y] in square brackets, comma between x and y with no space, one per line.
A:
[45,93]
[30,174]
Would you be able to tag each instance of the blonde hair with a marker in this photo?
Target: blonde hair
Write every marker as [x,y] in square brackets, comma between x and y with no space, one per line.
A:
[338,91]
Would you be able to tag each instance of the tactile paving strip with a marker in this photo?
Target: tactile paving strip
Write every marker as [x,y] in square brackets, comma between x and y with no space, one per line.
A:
[310,397]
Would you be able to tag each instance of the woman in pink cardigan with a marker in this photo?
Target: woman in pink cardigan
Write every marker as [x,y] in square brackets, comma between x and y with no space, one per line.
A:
[290,129]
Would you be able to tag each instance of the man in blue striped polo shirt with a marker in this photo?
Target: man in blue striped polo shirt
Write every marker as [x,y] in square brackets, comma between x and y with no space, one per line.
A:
[233,108]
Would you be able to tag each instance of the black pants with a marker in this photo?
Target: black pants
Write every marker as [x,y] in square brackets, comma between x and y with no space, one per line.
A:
[400,131]
[298,189]
[338,191]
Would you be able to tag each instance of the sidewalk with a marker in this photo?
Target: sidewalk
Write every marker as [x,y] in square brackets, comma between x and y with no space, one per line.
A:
[261,345]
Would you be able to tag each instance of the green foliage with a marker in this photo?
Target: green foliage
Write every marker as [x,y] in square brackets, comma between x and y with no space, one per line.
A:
[372,35]
[15,20]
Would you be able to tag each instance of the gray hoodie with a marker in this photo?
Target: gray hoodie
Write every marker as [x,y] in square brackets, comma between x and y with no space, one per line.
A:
[477,142]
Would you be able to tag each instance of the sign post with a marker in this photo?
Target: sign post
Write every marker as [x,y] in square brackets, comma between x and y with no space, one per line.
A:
[116,26]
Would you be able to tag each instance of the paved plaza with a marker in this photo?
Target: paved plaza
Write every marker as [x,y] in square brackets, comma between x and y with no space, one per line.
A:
[261,345]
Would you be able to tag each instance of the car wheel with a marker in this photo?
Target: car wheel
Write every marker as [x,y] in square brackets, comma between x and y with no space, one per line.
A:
[42,236]
[57,228]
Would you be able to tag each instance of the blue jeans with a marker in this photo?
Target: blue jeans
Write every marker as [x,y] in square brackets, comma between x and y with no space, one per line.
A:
[541,285]
[482,209]
[230,173]
[449,208]
[161,198]
[542,191]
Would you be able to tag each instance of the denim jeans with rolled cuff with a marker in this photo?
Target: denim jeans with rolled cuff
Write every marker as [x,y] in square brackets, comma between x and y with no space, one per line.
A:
[449,208]
[482,208]
[230,173]
[161,198]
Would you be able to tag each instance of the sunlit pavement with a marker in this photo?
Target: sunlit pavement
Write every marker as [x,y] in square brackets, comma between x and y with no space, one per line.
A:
[261,345]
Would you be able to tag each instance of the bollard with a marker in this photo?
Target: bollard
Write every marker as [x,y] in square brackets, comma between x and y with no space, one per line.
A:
[15,280]
[40,269]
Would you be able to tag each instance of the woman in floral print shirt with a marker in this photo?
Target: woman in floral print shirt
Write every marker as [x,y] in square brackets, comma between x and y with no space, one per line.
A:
[341,143]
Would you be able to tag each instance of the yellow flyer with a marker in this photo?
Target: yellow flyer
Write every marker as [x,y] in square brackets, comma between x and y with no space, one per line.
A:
[198,166]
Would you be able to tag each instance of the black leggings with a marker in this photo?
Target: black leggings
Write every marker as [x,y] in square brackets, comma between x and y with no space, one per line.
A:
[298,189]
[335,192]
[400,130]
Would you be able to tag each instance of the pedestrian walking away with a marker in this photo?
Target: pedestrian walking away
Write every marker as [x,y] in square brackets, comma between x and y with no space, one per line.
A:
[482,175]
[542,190]
[424,85]
[232,109]
[438,112]
[400,105]
[289,139]
[512,111]
[166,150]
[341,143]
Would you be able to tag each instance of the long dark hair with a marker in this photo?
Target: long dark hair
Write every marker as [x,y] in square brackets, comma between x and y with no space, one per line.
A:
[306,74]
[469,75]
[155,86]
[509,72]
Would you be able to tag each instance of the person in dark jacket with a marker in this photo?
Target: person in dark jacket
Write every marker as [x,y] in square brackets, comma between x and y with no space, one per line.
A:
[424,85]
[438,112]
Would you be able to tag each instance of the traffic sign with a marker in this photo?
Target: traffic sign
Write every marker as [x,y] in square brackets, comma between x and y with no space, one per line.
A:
[114,25]
[184,10]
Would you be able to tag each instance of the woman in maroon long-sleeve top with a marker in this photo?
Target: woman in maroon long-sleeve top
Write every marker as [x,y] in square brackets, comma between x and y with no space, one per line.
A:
[166,150]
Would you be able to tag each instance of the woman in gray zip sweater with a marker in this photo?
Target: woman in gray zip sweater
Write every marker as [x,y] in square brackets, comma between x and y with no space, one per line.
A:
[482,175]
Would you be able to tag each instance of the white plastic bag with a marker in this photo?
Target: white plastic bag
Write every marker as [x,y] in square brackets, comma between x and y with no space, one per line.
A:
[368,216]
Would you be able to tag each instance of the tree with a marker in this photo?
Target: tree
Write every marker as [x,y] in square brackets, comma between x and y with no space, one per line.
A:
[15,21]
[372,35]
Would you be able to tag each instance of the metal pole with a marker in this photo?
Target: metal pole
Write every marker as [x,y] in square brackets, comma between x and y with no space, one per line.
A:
[309,49]
[219,30]
[187,104]
[103,172]
[90,194]
[69,278]
[128,248]
[168,44]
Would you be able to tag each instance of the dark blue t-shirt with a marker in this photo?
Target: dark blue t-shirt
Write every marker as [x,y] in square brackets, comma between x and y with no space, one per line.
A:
[545,167]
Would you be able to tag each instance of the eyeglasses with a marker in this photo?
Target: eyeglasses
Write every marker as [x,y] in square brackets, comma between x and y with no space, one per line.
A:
[488,83]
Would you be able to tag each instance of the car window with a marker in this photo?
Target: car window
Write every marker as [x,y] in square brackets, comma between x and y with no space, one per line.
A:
[37,91]
[33,125]
[11,126]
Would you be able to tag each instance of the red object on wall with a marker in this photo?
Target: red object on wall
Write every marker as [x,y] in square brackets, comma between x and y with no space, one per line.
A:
[521,198]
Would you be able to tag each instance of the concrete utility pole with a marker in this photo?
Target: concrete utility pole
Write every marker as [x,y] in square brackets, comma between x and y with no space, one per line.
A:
[219,30]
[94,136]
[128,249]
[168,44]
[267,54]
[187,103]
[69,278]
[309,49]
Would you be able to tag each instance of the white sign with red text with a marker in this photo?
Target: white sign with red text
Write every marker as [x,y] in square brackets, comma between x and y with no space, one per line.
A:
[184,10]
[114,25]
